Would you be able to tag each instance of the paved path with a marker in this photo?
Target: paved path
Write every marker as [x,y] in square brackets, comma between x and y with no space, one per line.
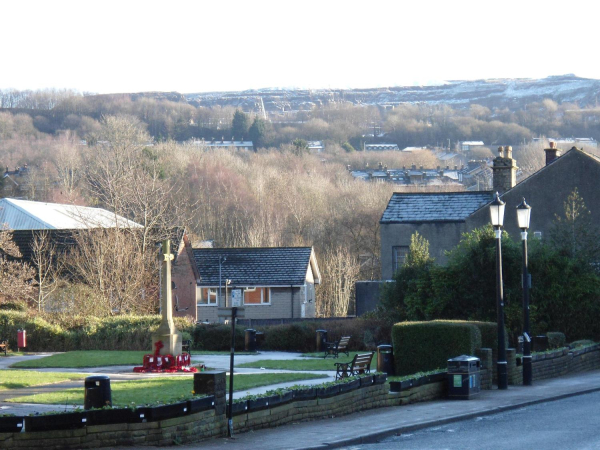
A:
[123,373]
[370,426]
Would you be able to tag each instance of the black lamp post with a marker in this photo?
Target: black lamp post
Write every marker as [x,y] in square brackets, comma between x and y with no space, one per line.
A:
[222,259]
[497,218]
[523,216]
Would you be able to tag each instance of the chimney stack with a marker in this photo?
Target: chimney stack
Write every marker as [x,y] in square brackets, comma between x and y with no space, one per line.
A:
[505,170]
[551,153]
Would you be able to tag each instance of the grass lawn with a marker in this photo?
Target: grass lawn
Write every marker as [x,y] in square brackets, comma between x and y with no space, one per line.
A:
[90,358]
[16,379]
[301,364]
[161,390]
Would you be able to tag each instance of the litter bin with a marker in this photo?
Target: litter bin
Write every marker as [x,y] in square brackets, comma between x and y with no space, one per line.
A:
[385,359]
[540,343]
[464,377]
[21,339]
[321,340]
[250,341]
[97,392]
[260,339]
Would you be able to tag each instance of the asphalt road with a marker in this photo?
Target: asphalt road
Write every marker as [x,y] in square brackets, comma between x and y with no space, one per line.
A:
[570,423]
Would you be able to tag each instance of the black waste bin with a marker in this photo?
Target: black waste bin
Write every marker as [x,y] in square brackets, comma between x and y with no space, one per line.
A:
[385,359]
[250,342]
[540,343]
[321,340]
[464,377]
[97,392]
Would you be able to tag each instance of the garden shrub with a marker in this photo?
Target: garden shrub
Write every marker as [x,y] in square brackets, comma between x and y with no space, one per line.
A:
[423,346]
[216,337]
[556,339]
[84,333]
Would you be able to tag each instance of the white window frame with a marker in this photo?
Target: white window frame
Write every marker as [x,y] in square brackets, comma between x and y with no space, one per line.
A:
[263,289]
[210,292]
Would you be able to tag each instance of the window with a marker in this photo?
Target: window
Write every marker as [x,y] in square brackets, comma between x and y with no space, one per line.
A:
[398,257]
[208,296]
[257,296]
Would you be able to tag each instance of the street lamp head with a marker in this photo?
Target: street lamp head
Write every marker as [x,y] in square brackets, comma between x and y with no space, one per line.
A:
[497,212]
[523,215]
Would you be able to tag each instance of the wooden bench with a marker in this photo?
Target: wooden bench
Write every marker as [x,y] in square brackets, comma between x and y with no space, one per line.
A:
[361,363]
[335,348]
[186,346]
[4,346]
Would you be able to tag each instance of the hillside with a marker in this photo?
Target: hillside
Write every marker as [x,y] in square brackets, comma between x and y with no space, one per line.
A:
[499,93]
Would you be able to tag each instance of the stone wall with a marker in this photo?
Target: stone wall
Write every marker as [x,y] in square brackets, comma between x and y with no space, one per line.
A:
[213,423]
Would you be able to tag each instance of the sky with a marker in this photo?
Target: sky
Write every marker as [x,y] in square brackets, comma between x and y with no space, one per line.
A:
[229,45]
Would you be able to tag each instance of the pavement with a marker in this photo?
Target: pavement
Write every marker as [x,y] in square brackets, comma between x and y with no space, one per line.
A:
[373,425]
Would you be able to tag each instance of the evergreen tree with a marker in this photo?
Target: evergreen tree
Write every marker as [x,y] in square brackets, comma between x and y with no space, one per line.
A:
[239,125]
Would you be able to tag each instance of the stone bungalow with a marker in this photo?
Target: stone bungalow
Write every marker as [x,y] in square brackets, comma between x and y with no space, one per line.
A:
[442,218]
[270,283]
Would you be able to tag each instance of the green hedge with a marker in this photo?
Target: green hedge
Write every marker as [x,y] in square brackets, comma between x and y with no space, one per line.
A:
[60,333]
[111,333]
[424,346]
[297,336]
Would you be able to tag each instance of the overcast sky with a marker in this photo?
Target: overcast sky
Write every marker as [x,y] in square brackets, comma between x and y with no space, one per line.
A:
[200,46]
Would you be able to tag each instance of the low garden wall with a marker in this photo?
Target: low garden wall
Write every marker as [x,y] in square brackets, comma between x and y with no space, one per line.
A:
[205,418]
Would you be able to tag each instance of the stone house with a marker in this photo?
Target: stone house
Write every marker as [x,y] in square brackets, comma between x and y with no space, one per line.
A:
[442,218]
[270,283]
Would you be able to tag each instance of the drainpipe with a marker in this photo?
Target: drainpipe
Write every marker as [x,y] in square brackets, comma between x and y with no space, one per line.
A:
[292,291]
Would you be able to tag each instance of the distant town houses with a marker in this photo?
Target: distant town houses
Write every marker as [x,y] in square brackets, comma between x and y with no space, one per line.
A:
[583,142]
[222,143]
[381,147]
[15,182]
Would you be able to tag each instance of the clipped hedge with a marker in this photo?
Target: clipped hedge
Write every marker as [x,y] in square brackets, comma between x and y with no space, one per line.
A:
[556,339]
[90,333]
[424,346]
[216,337]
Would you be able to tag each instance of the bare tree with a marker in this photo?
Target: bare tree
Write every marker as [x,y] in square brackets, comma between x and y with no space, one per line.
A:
[111,262]
[337,287]
[48,265]
[17,279]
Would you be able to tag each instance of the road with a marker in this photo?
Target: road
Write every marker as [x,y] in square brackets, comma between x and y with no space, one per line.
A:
[571,423]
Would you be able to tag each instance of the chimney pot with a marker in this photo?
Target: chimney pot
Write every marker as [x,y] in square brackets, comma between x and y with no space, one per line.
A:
[508,149]
[552,153]
[501,152]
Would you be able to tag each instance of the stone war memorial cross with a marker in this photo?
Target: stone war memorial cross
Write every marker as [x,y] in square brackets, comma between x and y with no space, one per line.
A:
[166,341]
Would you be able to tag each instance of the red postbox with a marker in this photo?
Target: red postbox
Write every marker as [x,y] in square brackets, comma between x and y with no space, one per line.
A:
[21,338]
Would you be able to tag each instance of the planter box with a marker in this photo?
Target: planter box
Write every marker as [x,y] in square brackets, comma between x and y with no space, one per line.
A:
[379,378]
[47,422]
[287,397]
[366,381]
[395,386]
[110,416]
[406,384]
[259,403]
[163,412]
[11,424]
[201,404]
[304,394]
[437,377]
[350,386]
[238,408]
[328,391]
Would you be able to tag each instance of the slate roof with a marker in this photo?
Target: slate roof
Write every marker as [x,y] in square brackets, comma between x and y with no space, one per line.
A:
[434,207]
[274,266]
